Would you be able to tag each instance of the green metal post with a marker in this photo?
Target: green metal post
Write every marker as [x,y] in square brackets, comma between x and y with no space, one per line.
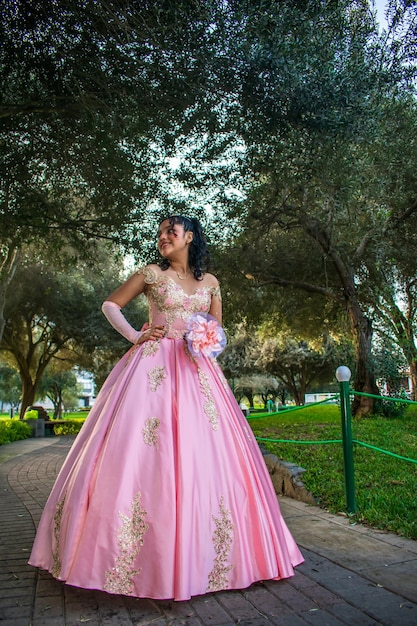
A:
[343,376]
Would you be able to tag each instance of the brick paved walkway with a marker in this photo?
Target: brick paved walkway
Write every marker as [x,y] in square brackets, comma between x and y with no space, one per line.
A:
[322,592]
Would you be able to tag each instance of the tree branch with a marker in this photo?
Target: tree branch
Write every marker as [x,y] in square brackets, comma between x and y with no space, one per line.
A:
[394,222]
[309,287]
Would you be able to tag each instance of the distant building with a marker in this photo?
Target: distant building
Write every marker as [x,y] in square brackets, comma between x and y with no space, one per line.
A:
[87,387]
[319,396]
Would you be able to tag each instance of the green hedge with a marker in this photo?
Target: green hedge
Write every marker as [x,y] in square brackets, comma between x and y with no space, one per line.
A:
[71,427]
[13,430]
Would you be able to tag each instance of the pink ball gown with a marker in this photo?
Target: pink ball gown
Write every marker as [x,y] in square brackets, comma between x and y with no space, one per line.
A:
[164,493]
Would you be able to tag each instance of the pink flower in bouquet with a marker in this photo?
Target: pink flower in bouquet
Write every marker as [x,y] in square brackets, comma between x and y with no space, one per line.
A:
[205,335]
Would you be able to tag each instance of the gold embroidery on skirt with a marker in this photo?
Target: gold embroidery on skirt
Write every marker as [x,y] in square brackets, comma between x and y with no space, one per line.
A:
[220,374]
[222,539]
[209,406]
[150,431]
[56,568]
[155,376]
[130,540]
[151,347]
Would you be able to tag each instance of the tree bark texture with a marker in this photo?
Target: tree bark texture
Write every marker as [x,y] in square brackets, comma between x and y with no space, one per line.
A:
[364,380]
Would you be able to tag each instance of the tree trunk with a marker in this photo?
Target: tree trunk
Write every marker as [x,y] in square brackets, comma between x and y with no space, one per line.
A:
[413,376]
[303,389]
[295,392]
[28,394]
[8,267]
[360,324]
[29,385]
[364,380]
[58,408]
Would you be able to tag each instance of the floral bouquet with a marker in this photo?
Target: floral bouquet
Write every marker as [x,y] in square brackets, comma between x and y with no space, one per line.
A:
[205,335]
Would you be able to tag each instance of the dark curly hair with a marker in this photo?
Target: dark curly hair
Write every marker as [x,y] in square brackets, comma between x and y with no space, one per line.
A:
[199,255]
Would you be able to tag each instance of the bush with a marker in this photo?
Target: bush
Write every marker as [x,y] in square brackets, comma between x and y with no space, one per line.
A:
[13,430]
[72,427]
[31,415]
[389,408]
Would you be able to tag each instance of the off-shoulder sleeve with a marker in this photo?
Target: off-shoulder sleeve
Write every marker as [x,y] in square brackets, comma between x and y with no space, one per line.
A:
[150,274]
[215,292]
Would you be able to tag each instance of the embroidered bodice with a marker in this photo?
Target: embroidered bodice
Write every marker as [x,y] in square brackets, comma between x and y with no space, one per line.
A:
[170,305]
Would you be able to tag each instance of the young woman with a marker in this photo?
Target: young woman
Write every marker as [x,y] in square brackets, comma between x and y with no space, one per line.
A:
[164,493]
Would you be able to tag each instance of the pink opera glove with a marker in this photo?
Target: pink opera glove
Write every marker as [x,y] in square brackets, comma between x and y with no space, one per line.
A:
[205,335]
[116,318]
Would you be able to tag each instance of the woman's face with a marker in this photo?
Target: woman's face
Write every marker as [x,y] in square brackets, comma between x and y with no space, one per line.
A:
[172,238]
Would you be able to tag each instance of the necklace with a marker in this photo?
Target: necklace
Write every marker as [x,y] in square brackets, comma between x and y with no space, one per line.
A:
[182,277]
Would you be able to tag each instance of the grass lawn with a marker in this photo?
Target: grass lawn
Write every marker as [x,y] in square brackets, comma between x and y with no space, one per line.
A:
[385,486]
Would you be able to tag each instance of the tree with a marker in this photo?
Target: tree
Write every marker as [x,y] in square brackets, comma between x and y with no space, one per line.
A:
[263,385]
[296,364]
[271,361]
[322,97]
[104,80]
[10,387]
[390,367]
[390,292]
[294,103]
[92,96]
[236,359]
[42,322]
[56,315]
[392,376]
[395,312]
[54,383]
[71,398]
